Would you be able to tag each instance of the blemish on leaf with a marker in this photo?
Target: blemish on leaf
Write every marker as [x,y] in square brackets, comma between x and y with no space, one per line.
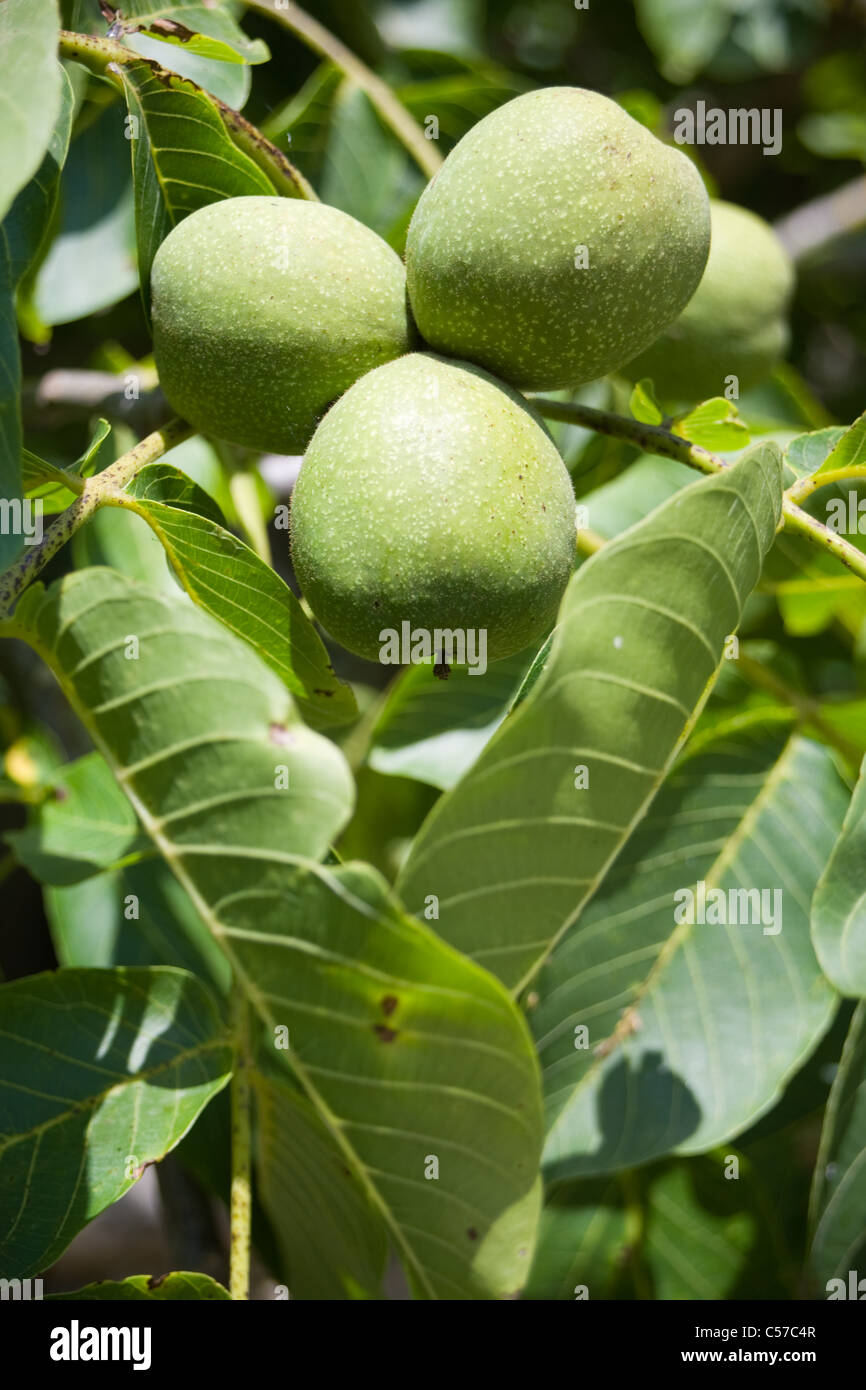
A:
[384,1032]
[389,1004]
[155,1280]
[472,1233]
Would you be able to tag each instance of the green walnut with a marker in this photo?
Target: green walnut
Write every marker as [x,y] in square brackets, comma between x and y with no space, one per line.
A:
[736,323]
[432,500]
[265,310]
[558,240]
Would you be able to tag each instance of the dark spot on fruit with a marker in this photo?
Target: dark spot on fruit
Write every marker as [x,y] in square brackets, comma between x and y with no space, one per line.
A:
[279,734]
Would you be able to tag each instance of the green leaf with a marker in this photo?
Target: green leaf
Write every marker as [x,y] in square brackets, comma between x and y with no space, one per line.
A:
[137,915]
[805,454]
[406,1050]
[693,1027]
[332,1238]
[582,1242]
[838,1243]
[228,580]
[182,156]
[643,404]
[30,95]
[433,730]
[713,424]
[809,604]
[839,908]
[850,449]
[86,464]
[22,241]
[700,1229]
[303,123]
[367,173]
[167,1288]
[202,29]
[458,100]
[90,263]
[84,826]
[102,1072]
[683,34]
[639,642]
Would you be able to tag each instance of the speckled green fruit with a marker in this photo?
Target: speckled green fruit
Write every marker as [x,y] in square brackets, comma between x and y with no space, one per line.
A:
[432,494]
[496,248]
[265,310]
[735,325]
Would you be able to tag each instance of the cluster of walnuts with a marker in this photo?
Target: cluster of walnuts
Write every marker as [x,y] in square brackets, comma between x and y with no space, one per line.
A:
[559,242]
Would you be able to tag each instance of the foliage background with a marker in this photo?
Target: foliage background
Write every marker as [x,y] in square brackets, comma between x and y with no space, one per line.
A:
[664,1230]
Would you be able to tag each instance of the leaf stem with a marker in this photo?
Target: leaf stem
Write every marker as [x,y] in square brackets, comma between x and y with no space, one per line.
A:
[386,102]
[806,486]
[241,1194]
[96,492]
[655,439]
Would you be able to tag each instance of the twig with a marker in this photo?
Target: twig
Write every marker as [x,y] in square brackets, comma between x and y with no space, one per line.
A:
[655,439]
[96,492]
[389,106]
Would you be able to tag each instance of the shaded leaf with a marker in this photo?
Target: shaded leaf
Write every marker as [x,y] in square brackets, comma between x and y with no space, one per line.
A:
[90,263]
[332,1238]
[102,1072]
[433,730]
[381,1015]
[838,1243]
[638,646]
[669,1022]
[22,242]
[137,915]
[839,908]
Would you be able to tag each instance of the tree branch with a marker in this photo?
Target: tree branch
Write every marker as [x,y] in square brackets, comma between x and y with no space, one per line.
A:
[101,56]
[389,106]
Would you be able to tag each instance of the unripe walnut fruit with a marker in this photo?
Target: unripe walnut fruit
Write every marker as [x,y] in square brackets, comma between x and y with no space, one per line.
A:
[265,310]
[432,494]
[557,240]
[735,325]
